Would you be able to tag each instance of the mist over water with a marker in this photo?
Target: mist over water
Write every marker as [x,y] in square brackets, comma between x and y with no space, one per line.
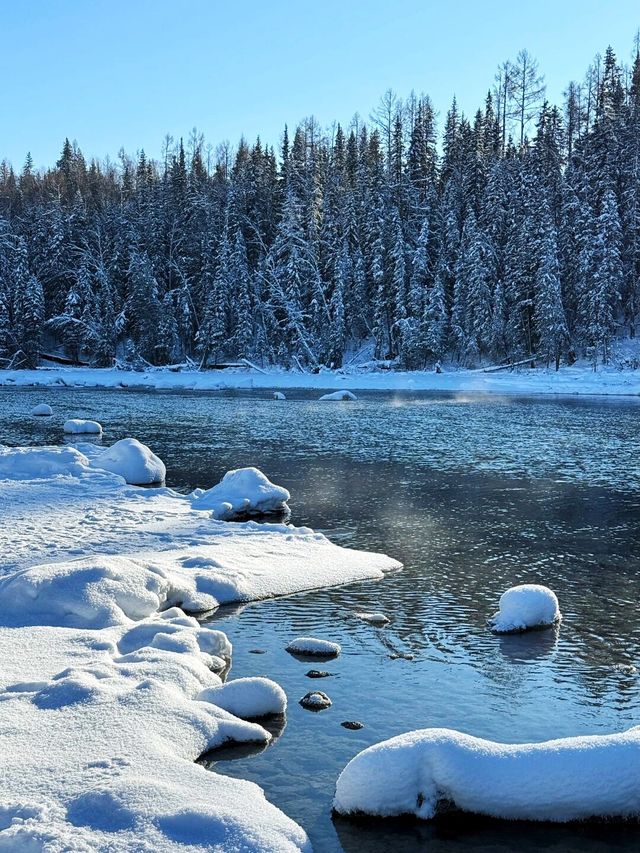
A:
[473,495]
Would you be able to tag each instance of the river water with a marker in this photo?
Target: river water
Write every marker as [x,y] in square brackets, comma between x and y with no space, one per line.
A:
[472,494]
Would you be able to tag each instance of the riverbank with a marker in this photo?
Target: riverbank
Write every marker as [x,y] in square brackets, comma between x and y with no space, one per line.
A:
[579,380]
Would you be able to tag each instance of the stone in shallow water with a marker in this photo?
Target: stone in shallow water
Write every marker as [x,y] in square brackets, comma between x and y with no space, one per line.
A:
[318,673]
[315,700]
[257,651]
[353,725]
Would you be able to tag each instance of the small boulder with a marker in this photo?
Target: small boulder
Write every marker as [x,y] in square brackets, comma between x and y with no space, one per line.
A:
[353,725]
[77,426]
[318,673]
[313,646]
[315,700]
[339,395]
[278,395]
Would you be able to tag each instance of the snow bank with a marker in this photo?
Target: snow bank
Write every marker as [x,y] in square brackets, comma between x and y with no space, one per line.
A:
[248,698]
[580,379]
[77,426]
[524,607]
[132,460]
[313,646]
[37,463]
[243,492]
[559,780]
[42,410]
[339,395]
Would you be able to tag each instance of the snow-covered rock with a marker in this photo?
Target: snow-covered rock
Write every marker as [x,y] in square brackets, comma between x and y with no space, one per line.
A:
[42,410]
[524,607]
[77,426]
[558,780]
[315,700]
[278,395]
[248,698]
[242,493]
[313,646]
[377,619]
[339,395]
[132,460]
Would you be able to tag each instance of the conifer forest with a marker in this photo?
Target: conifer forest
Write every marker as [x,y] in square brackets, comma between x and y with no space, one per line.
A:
[410,237]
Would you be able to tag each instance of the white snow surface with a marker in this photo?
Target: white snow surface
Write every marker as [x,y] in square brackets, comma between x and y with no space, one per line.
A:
[132,460]
[108,690]
[248,697]
[313,646]
[339,395]
[278,395]
[42,410]
[78,426]
[526,606]
[580,379]
[559,780]
[243,492]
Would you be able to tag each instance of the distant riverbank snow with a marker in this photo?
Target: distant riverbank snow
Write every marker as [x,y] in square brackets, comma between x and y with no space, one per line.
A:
[580,379]
[560,780]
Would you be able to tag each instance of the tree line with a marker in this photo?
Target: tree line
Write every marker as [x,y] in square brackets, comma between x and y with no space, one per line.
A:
[513,233]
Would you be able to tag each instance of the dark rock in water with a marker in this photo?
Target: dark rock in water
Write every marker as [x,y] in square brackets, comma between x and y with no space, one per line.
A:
[354,725]
[257,651]
[315,700]
[401,656]
[318,673]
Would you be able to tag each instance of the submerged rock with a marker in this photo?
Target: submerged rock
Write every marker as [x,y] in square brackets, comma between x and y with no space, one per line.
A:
[353,725]
[318,673]
[315,700]
[378,619]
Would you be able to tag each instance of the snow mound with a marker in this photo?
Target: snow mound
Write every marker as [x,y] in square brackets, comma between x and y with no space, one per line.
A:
[248,698]
[278,395]
[374,618]
[241,493]
[524,607]
[77,426]
[559,780]
[315,700]
[41,463]
[42,410]
[313,646]
[339,395]
[98,592]
[132,460]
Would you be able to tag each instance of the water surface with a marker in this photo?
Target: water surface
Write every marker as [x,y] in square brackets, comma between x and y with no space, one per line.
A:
[473,495]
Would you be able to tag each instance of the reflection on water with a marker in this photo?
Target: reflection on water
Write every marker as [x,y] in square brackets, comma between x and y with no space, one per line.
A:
[472,496]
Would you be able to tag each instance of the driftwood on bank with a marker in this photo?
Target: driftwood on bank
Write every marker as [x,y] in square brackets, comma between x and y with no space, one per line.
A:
[492,369]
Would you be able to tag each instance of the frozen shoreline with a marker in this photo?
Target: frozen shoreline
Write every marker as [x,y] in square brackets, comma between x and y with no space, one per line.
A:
[109,690]
[568,381]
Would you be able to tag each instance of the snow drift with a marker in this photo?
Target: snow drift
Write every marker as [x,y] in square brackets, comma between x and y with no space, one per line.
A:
[558,780]
[339,395]
[525,607]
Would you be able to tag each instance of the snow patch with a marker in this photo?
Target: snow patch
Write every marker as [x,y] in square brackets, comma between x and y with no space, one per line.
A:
[559,780]
[278,395]
[525,607]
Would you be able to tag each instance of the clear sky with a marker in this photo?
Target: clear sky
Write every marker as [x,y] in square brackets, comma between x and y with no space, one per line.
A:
[114,74]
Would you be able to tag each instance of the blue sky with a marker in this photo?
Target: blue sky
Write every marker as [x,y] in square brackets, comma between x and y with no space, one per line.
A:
[123,74]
